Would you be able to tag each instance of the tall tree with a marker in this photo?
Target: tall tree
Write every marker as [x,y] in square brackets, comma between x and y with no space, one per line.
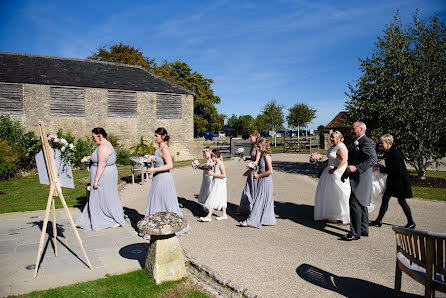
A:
[402,90]
[273,113]
[260,123]
[300,115]
[206,116]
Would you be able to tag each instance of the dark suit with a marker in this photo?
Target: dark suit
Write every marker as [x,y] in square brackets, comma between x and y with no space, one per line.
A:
[363,157]
[398,183]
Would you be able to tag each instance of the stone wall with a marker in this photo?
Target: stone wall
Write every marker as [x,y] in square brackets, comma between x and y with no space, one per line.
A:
[36,107]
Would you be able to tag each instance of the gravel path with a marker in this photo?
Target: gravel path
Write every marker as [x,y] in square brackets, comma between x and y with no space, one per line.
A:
[297,257]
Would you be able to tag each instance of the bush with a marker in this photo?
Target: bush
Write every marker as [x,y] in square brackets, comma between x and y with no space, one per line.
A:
[142,148]
[84,147]
[8,161]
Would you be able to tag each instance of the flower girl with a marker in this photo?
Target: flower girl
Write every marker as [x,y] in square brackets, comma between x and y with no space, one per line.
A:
[206,184]
[217,198]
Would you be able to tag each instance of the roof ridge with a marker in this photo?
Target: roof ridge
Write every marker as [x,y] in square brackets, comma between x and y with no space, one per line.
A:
[98,61]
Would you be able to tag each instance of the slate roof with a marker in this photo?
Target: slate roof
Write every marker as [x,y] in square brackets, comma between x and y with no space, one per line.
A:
[46,70]
[340,121]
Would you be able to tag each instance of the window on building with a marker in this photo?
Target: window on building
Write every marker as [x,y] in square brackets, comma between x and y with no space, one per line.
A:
[11,98]
[168,106]
[67,101]
[122,104]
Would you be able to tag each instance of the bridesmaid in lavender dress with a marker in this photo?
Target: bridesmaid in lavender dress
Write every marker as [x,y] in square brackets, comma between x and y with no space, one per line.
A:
[250,187]
[162,194]
[262,212]
[104,208]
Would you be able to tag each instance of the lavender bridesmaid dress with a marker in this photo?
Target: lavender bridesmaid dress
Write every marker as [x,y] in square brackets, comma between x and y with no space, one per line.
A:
[162,194]
[104,208]
[262,212]
[249,191]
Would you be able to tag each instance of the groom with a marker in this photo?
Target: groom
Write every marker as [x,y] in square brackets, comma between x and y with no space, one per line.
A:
[361,158]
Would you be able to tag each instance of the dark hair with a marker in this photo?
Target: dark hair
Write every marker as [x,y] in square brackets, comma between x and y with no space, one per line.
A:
[216,153]
[99,131]
[162,132]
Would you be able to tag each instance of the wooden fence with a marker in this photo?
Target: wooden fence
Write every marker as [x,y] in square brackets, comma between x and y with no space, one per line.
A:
[301,144]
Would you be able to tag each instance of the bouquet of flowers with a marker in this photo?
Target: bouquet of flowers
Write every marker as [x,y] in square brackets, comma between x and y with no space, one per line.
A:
[86,161]
[208,165]
[316,157]
[149,160]
[67,149]
[240,152]
[252,166]
[196,164]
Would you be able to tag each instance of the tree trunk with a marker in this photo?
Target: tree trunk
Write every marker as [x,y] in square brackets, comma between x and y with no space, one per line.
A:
[420,167]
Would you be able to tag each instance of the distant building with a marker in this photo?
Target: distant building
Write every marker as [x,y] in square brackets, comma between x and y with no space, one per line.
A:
[341,123]
[78,95]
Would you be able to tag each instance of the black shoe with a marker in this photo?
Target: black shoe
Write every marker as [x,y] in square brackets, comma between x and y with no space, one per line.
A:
[376,223]
[410,225]
[349,237]
[365,234]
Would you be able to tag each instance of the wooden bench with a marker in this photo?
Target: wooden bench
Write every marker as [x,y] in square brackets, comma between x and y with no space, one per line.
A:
[422,256]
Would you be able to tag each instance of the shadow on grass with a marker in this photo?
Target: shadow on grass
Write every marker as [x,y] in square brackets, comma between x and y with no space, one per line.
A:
[136,251]
[303,215]
[302,168]
[346,286]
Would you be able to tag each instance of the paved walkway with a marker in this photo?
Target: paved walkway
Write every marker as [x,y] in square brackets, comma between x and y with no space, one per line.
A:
[295,258]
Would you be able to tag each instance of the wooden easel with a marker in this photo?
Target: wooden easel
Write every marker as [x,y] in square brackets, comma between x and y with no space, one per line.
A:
[55,190]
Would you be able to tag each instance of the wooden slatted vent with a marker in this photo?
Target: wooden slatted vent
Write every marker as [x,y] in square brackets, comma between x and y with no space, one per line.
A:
[168,106]
[67,102]
[122,104]
[11,98]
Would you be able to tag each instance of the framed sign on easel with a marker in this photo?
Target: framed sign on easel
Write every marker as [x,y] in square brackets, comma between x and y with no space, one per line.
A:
[55,191]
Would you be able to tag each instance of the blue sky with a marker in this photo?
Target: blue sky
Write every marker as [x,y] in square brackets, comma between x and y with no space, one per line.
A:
[255,51]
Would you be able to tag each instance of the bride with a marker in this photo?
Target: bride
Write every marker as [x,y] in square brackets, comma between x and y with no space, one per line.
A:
[332,195]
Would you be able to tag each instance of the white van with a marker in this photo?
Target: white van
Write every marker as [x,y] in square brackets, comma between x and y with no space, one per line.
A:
[221,134]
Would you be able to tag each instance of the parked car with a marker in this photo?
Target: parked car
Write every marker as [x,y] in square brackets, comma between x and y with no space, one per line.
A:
[264,134]
[221,134]
[245,136]
[207,135]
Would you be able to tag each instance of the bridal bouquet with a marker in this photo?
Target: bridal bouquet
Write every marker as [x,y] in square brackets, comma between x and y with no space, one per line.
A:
[240,152]
[252,166]
[67,149]
[208,165]
[149,160]
[316,157]
[196,164]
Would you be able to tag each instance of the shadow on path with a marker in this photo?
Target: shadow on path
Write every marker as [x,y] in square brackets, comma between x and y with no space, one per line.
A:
[346,286]
[303,215]
[136,251]
[197,209]
[134,216]
[302,168]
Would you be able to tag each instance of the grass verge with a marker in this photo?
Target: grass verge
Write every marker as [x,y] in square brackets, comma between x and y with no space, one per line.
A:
[133,284]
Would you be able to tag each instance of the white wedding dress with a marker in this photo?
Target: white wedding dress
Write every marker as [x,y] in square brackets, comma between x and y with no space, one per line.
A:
[332,195]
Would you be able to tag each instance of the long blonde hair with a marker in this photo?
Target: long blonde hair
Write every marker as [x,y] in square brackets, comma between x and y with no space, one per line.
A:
[264,142]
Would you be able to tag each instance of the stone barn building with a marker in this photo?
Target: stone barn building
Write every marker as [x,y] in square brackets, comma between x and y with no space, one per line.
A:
[78,95]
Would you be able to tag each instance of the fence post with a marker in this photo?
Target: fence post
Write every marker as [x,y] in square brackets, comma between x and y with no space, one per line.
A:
[310,146]
[231,147]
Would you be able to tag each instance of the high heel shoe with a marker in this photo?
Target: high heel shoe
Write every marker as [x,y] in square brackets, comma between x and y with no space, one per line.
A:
[376,223]
[410,225]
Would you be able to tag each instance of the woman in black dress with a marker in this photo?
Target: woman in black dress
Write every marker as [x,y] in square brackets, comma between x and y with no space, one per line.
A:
[398,181]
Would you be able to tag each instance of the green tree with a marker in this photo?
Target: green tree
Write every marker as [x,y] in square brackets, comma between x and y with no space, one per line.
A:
[402,90]
[273,113]
[233,121]
[206,116]
[320,128]
[300,115]
[246,123]
[260,123]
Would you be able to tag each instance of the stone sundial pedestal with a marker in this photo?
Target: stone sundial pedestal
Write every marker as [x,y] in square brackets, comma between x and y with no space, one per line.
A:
[165,260]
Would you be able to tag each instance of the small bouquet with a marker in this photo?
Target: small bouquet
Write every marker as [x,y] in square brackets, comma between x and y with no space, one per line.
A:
[252,166]
[240,152]
[149,160]
[196,164]
[208,165]
[86,161]
[316,157]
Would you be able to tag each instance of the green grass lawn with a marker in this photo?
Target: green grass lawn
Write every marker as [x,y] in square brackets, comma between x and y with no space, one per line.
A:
[430,192]
[133,284]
